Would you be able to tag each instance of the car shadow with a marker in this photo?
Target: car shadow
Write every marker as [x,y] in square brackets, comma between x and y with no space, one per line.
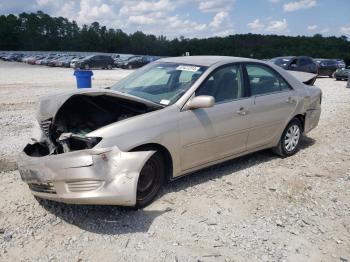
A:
[112,220]
[108,220]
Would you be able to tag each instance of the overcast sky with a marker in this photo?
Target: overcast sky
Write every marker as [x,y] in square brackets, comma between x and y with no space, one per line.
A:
[200,18]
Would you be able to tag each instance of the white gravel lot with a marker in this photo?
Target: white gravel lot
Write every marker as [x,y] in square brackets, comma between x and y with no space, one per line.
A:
[255,208]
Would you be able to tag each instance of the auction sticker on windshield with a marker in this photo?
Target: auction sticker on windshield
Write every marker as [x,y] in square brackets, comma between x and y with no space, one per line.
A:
[165,102]
[188,68]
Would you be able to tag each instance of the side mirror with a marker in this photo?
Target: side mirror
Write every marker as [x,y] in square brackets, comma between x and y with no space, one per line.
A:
[201,102]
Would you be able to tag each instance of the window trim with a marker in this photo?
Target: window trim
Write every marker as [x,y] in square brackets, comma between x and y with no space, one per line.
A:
[244,64]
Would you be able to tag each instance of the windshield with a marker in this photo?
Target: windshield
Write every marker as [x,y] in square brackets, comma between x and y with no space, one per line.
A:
[161,83]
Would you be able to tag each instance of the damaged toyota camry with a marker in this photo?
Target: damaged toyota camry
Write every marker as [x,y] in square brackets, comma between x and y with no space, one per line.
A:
[116,146]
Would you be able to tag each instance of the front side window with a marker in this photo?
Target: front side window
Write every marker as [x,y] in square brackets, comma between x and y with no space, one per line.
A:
[224,84]
[264,80]
[161,83]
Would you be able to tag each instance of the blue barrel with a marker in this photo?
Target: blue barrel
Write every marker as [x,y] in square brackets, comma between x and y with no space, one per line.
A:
[83,78]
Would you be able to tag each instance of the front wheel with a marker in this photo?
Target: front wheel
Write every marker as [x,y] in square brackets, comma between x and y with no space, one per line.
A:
[290,139]
[150,180]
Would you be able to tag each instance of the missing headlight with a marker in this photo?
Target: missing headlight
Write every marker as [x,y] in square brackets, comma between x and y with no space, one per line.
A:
[68,142]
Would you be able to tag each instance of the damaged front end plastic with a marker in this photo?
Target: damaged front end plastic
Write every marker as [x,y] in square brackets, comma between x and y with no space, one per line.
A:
[92,176]
[63,164]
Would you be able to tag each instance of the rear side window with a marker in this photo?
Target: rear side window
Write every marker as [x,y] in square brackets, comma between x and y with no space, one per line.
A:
[264,80]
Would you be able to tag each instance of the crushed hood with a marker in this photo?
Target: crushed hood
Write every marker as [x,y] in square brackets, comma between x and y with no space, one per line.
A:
[50,104]
[306,78]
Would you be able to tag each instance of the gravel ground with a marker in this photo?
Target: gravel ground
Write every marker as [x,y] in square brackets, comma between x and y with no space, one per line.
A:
[255,208]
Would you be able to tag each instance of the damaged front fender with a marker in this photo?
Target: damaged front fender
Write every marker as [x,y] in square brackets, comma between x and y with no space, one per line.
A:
[92,176]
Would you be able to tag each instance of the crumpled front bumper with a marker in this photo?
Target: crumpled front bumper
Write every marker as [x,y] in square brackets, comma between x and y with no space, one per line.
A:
[106,176]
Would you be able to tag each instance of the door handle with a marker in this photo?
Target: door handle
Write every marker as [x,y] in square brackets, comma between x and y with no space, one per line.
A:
[290,100]
[241,111]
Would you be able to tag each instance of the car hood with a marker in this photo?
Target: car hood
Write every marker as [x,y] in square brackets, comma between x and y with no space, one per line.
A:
[49,105]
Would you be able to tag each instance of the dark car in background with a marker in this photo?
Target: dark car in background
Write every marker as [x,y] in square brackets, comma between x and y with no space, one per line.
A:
[340,63]
[326,67]
[136,61]
[296,63]
[95,61]
[342,73]
[12,57]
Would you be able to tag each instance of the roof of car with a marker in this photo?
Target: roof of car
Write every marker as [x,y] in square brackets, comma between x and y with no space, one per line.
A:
[204,60]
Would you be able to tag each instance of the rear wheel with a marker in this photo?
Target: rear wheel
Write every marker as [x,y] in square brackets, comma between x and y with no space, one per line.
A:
[150,180]
[290,139]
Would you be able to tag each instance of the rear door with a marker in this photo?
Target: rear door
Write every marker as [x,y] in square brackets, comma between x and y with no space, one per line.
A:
[274,102]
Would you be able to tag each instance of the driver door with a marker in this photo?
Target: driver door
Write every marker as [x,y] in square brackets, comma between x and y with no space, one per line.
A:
[218,132]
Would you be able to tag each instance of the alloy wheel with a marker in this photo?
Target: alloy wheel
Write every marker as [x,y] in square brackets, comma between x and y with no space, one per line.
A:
[291,139]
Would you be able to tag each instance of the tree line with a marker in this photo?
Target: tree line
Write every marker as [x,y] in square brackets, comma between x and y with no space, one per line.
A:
[40,31]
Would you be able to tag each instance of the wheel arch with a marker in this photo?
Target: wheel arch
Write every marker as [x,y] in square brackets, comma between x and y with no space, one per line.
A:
[301,118]
[166,154]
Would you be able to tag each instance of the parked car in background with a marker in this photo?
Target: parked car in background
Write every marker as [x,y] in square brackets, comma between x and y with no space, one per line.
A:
[134,62]
[58,62]
[12,57]
[54,61]
[170,118]
[33,59]
[75,60]
[121,61]
[47,58]
[342,73]
[296,63]
[340,63]
[66,62]
[326,67]
[17,57]
[95,61]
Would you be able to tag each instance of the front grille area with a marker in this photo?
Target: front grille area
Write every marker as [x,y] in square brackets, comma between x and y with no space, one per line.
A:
[42,187]
[45,126]
[84,186]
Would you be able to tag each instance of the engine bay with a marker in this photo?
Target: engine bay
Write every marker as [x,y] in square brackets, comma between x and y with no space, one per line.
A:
[80,115]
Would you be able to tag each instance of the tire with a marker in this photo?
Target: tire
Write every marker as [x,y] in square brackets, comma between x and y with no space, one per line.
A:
[150,180]
[86,67]
[109,66]
[129,66]
[337,79]
[293,131]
